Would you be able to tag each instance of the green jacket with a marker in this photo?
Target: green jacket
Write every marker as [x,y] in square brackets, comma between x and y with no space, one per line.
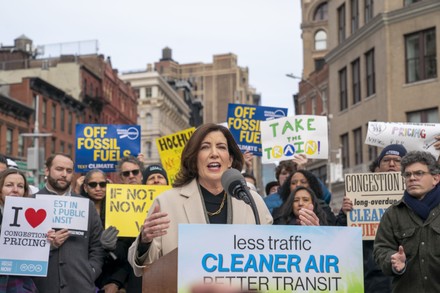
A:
[421,243]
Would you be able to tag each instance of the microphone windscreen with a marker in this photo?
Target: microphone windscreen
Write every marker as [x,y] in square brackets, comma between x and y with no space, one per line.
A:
[230,179]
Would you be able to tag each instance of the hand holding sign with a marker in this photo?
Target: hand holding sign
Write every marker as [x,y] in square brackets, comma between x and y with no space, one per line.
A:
[156,224]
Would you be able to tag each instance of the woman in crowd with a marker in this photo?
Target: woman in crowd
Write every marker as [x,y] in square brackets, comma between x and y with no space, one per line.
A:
[14,183]
[115,270]
[197,196]
[301,208]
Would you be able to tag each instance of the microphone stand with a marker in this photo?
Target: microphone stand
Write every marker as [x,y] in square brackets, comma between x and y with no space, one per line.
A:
[248,199]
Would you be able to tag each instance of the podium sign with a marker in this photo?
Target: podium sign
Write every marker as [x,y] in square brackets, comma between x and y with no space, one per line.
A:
[271,258]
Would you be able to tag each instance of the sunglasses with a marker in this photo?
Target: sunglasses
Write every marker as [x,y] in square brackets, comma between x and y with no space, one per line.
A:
[94,184]
[127,173]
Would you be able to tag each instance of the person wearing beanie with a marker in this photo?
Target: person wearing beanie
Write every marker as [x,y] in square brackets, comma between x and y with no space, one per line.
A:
[390,158]
[155,175]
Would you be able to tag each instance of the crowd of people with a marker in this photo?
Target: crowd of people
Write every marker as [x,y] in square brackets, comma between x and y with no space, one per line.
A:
[402,258]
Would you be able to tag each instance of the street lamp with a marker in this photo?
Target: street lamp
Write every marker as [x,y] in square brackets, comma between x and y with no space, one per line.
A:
[325,111]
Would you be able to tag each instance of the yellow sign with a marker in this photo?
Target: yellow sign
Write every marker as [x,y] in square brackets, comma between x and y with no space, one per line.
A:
[170,149]
[126,206]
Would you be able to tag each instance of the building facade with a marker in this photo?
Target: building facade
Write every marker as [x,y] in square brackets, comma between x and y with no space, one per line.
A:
[382,59]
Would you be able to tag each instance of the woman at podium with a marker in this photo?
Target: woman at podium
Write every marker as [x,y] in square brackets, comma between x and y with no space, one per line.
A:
[198,196]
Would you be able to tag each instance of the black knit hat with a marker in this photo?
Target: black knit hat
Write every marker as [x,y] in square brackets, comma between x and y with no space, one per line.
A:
[153,169]
[392,149]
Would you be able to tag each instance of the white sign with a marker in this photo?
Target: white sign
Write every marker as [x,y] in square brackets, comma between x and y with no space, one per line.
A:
[301,134]
[24,248]
[413,136]
[68,212]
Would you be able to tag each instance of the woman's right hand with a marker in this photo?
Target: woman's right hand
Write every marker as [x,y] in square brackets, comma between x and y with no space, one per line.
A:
[155,225]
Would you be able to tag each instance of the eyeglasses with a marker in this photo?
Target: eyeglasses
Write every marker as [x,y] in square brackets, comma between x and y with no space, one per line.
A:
[127,173]
[94,184]
[387,161]
[417,174]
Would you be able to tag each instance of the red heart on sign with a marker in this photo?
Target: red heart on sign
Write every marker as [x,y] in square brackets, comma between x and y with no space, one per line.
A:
[35,218]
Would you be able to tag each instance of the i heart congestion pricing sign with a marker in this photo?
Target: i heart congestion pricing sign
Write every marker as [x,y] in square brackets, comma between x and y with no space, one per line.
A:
[24,249]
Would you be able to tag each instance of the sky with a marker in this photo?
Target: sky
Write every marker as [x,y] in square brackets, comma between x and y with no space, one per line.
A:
[265,35]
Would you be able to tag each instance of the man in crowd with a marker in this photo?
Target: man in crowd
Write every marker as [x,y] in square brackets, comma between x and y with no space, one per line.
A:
[407,241]
[75,261]
[155,175]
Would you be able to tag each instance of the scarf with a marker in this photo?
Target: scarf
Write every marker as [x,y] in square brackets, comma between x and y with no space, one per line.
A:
[423,207]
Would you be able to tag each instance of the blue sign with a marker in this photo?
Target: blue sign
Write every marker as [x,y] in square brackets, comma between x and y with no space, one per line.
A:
[244,124]
[101,146]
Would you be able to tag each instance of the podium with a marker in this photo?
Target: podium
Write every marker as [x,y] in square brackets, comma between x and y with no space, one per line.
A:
[161,276]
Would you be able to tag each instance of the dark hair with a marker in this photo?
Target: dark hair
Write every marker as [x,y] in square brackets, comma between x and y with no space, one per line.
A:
[373,165]
[3,160]
[188,166]
[50,159]
[270,185]
[288,165]
[312,180]
[286,216]
[85,194]
[420,157]
[129,159]
[247,175]
[6,173]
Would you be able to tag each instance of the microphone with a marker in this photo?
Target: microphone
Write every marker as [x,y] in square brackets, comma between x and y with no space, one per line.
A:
[235,184]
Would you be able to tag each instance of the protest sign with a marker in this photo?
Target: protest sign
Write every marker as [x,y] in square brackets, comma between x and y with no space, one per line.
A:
[68,212]
[100,146]
[170,151]
[266,258]
[372,194]
[24,249]
[301,134]
[127,205]
[413,136]
[244,123]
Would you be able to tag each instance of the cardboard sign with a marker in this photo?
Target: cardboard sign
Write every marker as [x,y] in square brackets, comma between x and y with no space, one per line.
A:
[413,136]
[101,146]
[126,206]
[170,149]
[301,134]
[372,194]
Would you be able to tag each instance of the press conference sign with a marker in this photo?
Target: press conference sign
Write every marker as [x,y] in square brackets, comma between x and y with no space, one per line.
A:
[101,146]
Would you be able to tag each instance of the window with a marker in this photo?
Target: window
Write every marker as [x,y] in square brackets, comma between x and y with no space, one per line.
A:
[320,40]
[62,114]
[369,13]
[148,149]
[69,150]
[408,2]
[370,73]
[62,147]
[69,122]
[356,81]
[354,15]
[148,92]
[343,102]
[321,12]
[372,152]
[44,113]
[421,59]
[313,101]
[53,145]
[341,23]
[357,136]
[9,134]
[20,152]
[345,151]
[303,108]
[423,116]
[54,116]
[319,64]
[149,120]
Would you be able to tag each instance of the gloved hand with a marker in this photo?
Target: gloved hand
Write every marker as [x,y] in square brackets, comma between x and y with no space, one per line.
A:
[109,237]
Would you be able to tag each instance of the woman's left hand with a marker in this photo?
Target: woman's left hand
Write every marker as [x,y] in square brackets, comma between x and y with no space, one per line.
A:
[307,216]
